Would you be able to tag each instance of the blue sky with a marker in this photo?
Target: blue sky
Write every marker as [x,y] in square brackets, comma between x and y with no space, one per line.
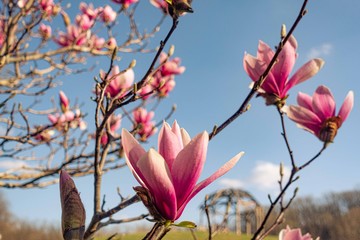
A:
[211,43]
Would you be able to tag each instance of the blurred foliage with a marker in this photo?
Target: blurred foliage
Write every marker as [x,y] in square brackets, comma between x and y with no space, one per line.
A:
[333,216]
[12,228]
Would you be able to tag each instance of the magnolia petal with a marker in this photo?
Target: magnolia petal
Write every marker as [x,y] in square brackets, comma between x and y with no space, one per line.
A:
[221,171]
[185,137]
[323,103]
[253,67]
[158,180]
[177,131]
[264,53]
[286,61]
[305,118]
[304,100]
[346,107]
[133,152]
[293,42]
[169,145]
[188,166]
[270,85]
[64,101]
[308,70]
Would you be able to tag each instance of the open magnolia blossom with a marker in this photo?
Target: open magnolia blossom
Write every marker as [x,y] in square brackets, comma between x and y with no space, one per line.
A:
[294,234]
[277,84]
[168,176]
[120,82]
[316,114]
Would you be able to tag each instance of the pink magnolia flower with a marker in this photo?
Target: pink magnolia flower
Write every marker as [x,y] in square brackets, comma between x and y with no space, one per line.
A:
[114,122]
[164,78]
[316,114]
[170,66]
[74,35]
[48,7]
[96,42]
[119,82]
[144,124]
[277,84]
[84,22]
[163,84]
[89,10]
[125,3]
[45,31]
[170,175]
[108,15]
[294,234]
[146,91]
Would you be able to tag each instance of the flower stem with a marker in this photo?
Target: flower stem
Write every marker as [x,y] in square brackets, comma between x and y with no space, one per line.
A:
[158,231]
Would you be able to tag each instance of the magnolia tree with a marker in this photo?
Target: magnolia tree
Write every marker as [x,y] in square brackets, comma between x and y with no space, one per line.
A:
[33,56]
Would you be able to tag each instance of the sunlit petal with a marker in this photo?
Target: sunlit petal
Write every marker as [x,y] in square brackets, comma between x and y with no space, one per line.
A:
[347,106]
[158,180]
[221,171]
[188,166]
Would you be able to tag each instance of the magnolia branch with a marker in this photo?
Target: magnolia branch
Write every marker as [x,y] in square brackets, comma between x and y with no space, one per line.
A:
[245,105]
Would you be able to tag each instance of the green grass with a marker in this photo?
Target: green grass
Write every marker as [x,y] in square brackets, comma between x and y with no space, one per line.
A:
[187,235]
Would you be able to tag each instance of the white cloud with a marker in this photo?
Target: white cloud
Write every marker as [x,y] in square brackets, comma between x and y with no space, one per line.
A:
[323,50]
[265,176]
[231,183]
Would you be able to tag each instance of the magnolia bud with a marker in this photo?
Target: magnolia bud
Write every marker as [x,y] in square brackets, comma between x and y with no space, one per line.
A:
[73,212]
[132,64]
[171,50]
[281,169]
[64,102]
[283,31]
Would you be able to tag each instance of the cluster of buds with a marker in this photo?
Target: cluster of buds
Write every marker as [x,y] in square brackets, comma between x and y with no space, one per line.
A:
[163,80]
[143,123]
[48,7]
[118,83]
[67,118]
[80,34]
